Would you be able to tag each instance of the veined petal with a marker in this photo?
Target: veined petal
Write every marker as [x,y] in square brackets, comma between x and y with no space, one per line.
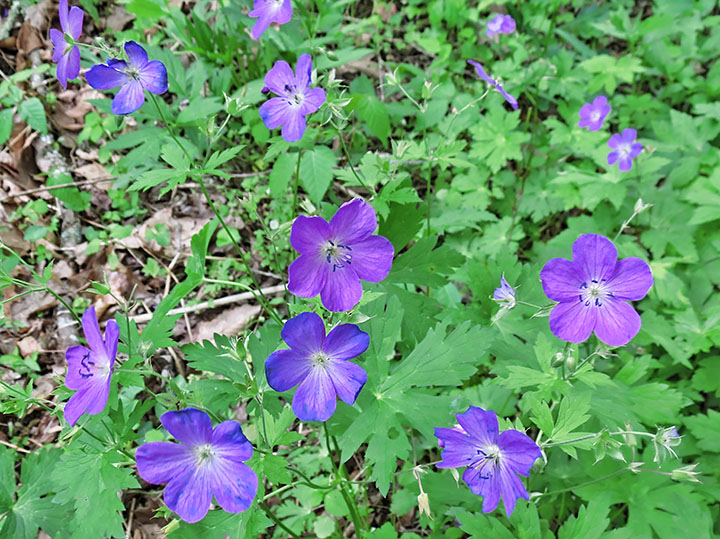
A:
[154,77]
[488,488]
[342,290]
[631,280]
[346,341]
[635,150]
[285,13]
[314,98]
[481,425]
[304,333]
[72,69]
[315,398]
[372,258]
[303,70]
[91,329]
[59,44]
[102,77]
[278,77]
[614,141]
[159,462]
[561,279]
[90,399]
[129,98]
[75,356]
[112,334]
[308,234]
[188,494]
[61,71]
[229,442]
[307,276]
[275,112]
[136,54]
[511,488]
[595,256]
[518,451]
[285,369]
[458,449]
[347,378]
[572,321]
[262,24]
[190,426]
[617,322]
[354,221]
[233,483]
[63,15]
[629,135]
[75,22]
[295,124]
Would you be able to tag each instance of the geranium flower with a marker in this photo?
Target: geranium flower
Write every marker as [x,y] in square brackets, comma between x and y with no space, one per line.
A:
[492,82]
[269,11]
[491,460]
[592,290]
[335,256]
[133,76]
[296,100]
[592,115]
[625,149]
[67,56]
[90,369]
[319,364]
[207,462]
[505,295]
[501,23]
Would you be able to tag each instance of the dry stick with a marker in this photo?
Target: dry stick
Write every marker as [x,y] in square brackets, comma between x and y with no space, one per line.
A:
[210,304]
[52,187]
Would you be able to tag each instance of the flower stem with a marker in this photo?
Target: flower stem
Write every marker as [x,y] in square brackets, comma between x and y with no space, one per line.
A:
[588,483]
[596,435]
[357,521]
[276,520]
[169,128]
[349,162]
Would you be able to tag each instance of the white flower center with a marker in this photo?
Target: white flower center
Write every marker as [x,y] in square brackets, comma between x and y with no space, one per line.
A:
[337,254]
[594,292]
[319,359]
[487,461]
[624,150]
[204,454]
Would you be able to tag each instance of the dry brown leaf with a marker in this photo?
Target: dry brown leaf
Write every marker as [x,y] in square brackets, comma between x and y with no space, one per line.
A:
[28,345]
[229,322]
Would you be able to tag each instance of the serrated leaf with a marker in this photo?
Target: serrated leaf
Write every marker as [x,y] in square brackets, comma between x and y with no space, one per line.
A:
[32,111]
[572,414]
[218,158]
[316,172]
[217,357]
[423,265]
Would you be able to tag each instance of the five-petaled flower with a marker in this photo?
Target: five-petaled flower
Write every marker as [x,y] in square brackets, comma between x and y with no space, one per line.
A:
[492,460]
[208,462]
[592,115]
[89,369]
[66,55]
[296,100]
[480,70]
[500,24]
[335,256]
[625,149]
[269,11]
[134,77]
[592,290]
[320,364]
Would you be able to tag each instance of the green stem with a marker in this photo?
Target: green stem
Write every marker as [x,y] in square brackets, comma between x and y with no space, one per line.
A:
[150,372]
[357,521]
[596,435]
[588,483]
[169,128]
[349,162]
[276,520]
[57,297]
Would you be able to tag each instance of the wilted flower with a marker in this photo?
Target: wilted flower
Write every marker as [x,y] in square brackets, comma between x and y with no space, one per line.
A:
[208,462]
[134,77]
[505,295]
[625,149]
[269,11]
[501,24]
[319,363]
[90,369]
[492,82]
[296,100]
[592,290]
[66,55]
[664,441]
[492,460]
[592,115]
[335,256]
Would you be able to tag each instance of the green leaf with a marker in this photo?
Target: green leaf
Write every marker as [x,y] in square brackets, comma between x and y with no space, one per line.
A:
[373,112]
[199,110]
[145,9]
[73,198]
[218,158]
[281,173]
[590,523]
[32,111]
[316,172]
[706,428]
[6,124]
[220,358]
[572,414]
[424,265]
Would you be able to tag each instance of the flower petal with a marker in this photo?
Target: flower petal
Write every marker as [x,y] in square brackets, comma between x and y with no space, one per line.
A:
[304,333]
[188,494]
[612,158]
[75,22]
[572,321]
[102,77]
[294,127]
[315,399]
[59,44]
[159,462]
[63,15]
[91,329]
[129,98]
[354,221]
[75,355]
[308,234]
[458,449]
[190,426]
[90,399]
[314,99]
[488,488]
[481,425]
[278,77]
[154,77]
[631,280]
[61,71]
[229,442]
[342,290]
[372,258]
[285,369]
[136,54]
[561,279]
[275,112]
[635,150]
[233,483]
[614,141]
[285,13]
[629,135]
[346,341]
[348,379]
[599,102]
[303,72]
[262,24]
[511,488]
[625,164]
[518,450]
[617,322]
[112,333]
[73,63]
[595,256]
[307,276]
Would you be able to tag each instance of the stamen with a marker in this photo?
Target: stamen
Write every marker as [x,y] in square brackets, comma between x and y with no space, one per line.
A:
[85,364]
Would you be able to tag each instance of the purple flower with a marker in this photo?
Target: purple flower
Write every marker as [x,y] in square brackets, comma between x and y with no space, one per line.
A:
[592,115]
[67,56]
[626,149]
[505,295]
[208,462]
[133,76]
[89,369]
[296,100]
[335,256]
[491,460]
[501,23]
[492,82]
[593,289]
[319,364]
[268,11]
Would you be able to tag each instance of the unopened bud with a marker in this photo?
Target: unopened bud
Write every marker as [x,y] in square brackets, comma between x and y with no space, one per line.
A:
[640,206]
[686,473]
[558,360]
[391,78]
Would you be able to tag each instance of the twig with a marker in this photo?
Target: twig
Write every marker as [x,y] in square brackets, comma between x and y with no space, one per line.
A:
[52,187]
[16,448]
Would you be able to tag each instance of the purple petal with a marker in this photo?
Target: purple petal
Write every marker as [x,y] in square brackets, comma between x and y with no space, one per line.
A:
[229,442]
[159,462]
[91,399]
[458,448]
[595,256]
[188,494]
[308,234]
[63,14]
[612,157]
[614,141]
[234,484]
[74,356]
[481,425]
[493,26]
[342,290]
[102,77]
[572,321]
[303,71]
[92,332]
[354,221]
[510,99]
[136,55]
[372,258]
[481,72]
[635,150]
[518,450]
[189,426]
[129,98]
[61,71]
[346,341]
[72,69]
[511,488]
[285,369]
[75,22]
[600,101]
[314,99]
[488,488]
[629,135]
[315,399]
[617,322]
[347,378]
[275,112]
[508,24]
[285,13]
[585,111]
[294,127]
[59,44]
[154,77]
[625,164]
[561,279]
[280,75]
[307,276]
[632,279]
[304,333]
[262,24]
[112,333]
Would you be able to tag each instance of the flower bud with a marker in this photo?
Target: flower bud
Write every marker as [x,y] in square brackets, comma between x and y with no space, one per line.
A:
[686,473]
[424,504]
